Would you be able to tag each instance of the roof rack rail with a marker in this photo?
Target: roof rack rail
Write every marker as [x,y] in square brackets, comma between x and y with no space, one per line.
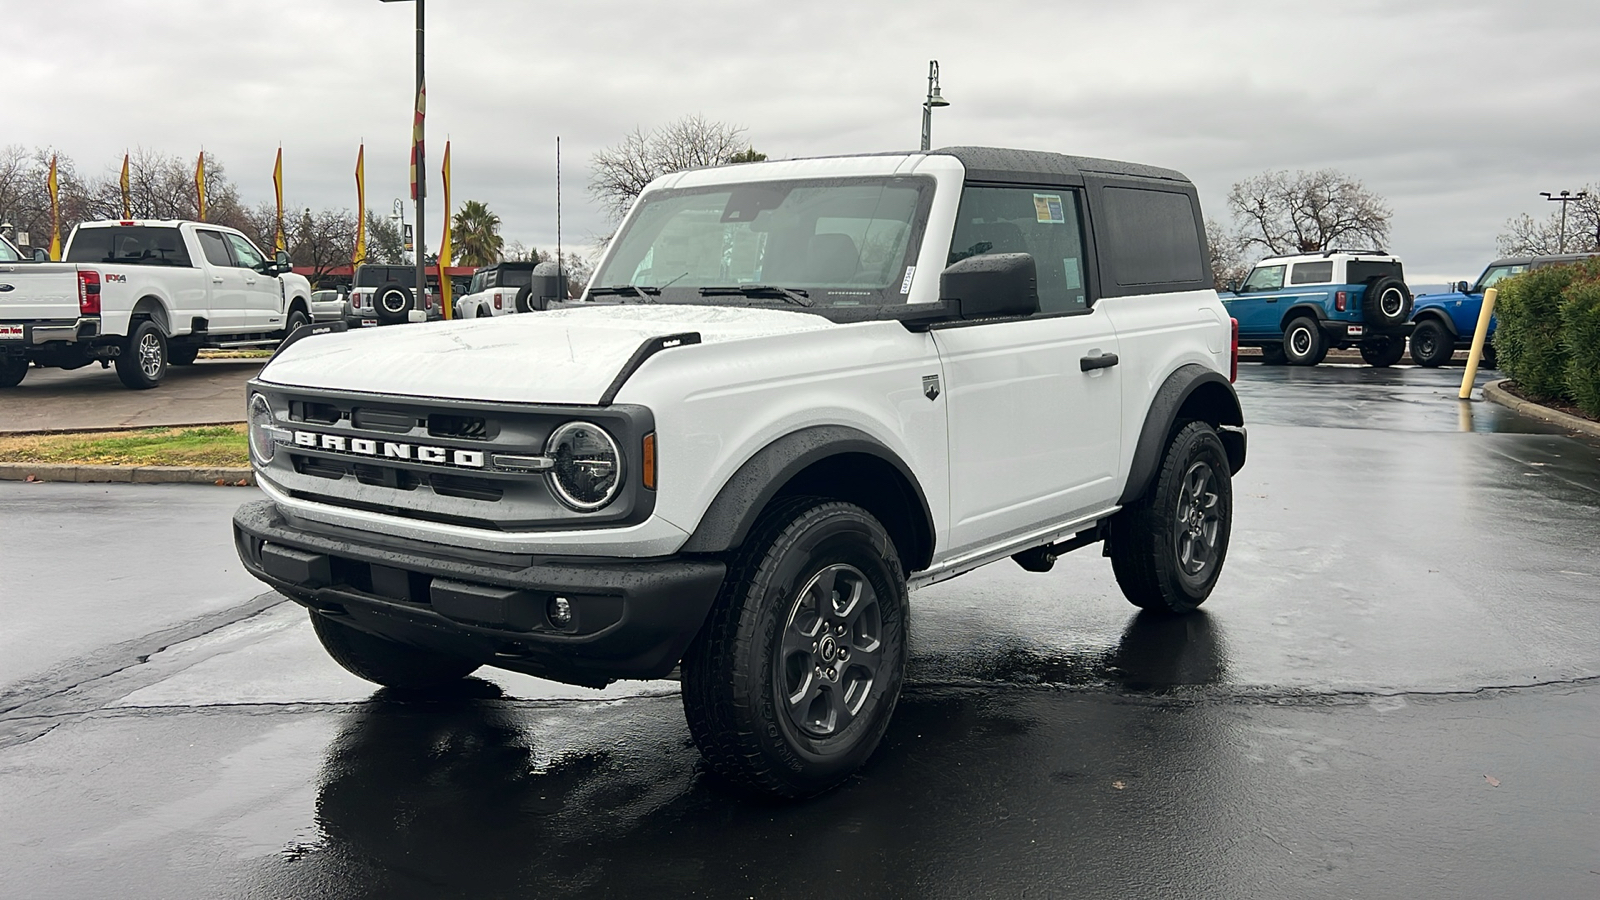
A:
[1369,251]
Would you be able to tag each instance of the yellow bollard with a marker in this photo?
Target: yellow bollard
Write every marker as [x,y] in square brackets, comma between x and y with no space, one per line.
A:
[1478,338]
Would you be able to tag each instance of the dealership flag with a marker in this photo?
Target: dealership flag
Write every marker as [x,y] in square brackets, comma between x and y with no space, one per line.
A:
[361,207]
[444,242]
[419,187]
[200,183]
[277,188]
[127,197]
[55,213]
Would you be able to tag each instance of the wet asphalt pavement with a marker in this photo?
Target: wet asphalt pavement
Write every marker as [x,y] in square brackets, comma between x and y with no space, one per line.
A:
[1393,692]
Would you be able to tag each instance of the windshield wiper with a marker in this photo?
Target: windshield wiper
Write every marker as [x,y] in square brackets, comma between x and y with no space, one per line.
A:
[647,294]
[794,295]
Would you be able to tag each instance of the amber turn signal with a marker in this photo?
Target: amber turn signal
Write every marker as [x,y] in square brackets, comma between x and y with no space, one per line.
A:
[650,461]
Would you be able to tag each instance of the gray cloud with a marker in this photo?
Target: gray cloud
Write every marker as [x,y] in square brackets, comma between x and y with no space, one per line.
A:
[1457,112]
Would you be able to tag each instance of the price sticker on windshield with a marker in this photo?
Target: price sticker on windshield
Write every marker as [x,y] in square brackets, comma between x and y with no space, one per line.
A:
[905,284]
[1047,208]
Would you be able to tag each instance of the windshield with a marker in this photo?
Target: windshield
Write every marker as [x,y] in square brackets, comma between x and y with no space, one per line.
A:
[842,241]
[1493,274]
[8,253]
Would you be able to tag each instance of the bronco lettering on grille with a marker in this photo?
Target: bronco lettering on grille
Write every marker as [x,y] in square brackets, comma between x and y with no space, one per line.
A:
[469,459]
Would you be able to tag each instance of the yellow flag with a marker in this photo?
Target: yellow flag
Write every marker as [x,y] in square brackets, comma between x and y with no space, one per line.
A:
[444,242]
[200,183]
[277,188]
[55,213]
[127,196]
[360,255]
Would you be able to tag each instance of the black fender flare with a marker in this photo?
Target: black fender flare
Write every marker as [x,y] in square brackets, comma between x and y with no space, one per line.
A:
[727,521]
[1434,312]
[1316,312]
[1194,392]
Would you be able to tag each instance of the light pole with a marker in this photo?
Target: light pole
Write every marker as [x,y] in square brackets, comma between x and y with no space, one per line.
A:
[418,300]
[1563,198]
[933,100]
[398,217]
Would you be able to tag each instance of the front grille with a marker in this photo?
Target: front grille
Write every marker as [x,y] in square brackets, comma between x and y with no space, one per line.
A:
[451,426]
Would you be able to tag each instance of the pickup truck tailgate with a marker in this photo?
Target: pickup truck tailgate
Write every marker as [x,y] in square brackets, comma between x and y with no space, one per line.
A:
[32,292]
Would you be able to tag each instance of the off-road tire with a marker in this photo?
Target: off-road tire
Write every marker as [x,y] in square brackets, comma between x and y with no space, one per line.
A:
[1383,352]
[1272,355]
[527,302]
[1491,359]
[739,672]
[1386,302]
[12,370]
[143,361]
[182,354]
[1147,537]
[1431,344]
[1303,342]
[386,662]
[387,298]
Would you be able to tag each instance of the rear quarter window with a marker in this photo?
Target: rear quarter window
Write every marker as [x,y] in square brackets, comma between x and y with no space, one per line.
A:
[1151,238]
[1312,273]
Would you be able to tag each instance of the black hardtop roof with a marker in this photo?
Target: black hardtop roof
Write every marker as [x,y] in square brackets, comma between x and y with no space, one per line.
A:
[1000,164]
[512,264]
[1541,261]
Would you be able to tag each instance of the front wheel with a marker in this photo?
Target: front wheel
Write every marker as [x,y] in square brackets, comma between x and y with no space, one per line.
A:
[1167,547]
[1431,344]
[1303,343]
[12,370]
[295,320]
[389,663]
[143,360]
[1383,352]
[790,684]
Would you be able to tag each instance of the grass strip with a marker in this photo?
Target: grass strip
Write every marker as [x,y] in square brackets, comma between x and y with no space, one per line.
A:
[215,445]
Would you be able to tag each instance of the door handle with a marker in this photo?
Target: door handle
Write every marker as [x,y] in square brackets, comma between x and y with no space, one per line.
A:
[216,279]
[1103,361]
[1272,299]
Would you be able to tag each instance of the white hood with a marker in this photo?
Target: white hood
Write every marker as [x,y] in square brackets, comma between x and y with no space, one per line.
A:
[562,356]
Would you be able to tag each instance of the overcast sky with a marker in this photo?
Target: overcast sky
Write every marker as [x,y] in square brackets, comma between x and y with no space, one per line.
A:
[1458,112]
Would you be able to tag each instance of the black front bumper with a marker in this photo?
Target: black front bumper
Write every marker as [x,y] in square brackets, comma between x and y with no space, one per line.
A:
[628,618]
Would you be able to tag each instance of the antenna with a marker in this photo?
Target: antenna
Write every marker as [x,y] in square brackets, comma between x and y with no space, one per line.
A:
[558,210]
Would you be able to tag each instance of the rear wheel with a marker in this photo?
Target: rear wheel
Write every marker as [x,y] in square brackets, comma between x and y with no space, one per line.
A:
[143,360]
[1303,343]
[1431,344]
[12,370]
[389,663]
[1272,355]
[791,682]
[1383,352]
[1167,547]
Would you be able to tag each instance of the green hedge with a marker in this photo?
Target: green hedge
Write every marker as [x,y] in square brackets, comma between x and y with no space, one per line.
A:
[1547,351]
[1580,320]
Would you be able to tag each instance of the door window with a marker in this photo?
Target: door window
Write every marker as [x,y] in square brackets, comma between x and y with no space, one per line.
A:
[245,253]
[1264,278]
[215,248]
[1042,222]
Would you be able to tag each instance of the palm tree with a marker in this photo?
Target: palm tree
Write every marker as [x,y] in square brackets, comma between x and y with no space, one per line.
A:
[476,235]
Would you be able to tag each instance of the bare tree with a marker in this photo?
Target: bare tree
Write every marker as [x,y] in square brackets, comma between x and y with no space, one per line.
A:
[1527,236]
[1307,211]
[618,174]
[1228,263]
[385,244]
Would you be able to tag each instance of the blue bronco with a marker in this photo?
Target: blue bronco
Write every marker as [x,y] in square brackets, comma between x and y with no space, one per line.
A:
[1444,322]
[1297,308]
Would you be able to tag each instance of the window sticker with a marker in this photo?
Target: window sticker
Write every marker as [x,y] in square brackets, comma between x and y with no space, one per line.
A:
[1047,208]
[1069,266]
[905,284]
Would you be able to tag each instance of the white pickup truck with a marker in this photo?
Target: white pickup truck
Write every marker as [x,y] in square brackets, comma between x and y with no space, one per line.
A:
[143,295]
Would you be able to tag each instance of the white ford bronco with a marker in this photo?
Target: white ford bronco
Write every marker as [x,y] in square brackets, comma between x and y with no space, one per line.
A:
[793,392]
[142,295]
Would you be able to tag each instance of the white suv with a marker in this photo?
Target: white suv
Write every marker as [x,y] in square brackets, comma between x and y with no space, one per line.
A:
[806,388]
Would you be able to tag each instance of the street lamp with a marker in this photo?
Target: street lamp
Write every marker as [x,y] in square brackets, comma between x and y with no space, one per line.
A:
[1563,198]
[928,105]
[418,300]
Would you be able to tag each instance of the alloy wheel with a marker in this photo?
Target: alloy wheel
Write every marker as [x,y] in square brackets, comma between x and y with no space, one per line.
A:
[1198,520]
[830,652]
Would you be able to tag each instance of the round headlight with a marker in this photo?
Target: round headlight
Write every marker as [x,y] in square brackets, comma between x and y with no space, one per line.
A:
[262,426]
[588,466]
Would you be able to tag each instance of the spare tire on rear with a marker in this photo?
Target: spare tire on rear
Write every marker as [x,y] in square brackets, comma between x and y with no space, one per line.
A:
[393,303]
[528,301]
[1386,302]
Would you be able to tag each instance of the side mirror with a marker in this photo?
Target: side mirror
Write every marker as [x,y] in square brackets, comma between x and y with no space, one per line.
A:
[992,285]
[1461,287]
[1232,287]
[40,254]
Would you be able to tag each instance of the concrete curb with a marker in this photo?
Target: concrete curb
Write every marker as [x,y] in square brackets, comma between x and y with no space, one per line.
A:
[126,474]
[1493,391]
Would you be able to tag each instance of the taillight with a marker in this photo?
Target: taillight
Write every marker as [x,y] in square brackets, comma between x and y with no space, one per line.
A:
[88,292]
[1233,372]
[497,300]
[1340,300]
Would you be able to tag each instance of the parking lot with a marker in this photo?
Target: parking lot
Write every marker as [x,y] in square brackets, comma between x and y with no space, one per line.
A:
[210,391]
[1391,693]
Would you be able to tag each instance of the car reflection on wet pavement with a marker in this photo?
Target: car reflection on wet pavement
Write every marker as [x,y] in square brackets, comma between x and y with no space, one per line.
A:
[1391,693]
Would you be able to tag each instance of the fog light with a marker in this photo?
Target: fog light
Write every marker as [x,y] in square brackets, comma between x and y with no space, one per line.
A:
[560,612]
